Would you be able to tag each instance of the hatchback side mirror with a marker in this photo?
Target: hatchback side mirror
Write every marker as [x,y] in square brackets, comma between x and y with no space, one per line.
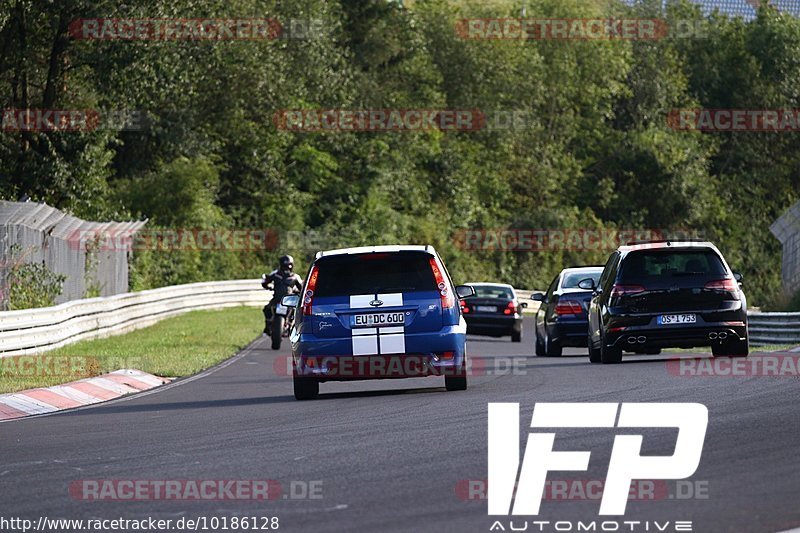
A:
[290,300]
[587,284]
[737,277]
[537,296]
[465,291]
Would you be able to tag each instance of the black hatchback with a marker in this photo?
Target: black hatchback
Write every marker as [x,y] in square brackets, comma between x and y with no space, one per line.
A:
[666,295]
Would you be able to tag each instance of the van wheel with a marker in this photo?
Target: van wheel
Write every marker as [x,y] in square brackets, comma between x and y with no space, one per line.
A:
[459,380]
[277,331]
[305,388]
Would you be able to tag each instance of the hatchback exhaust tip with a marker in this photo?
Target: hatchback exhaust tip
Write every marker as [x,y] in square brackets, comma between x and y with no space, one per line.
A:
[722,335]
[712,335]
[642,339]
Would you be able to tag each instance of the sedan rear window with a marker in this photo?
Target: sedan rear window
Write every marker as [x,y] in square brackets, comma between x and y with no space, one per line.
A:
[572,279]
[488,291]
[671,263]
[374,273]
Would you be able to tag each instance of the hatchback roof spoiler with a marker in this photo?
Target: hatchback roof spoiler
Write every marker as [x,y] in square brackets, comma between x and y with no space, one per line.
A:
[667,241]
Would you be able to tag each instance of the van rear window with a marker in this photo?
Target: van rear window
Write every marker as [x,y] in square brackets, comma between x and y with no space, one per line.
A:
[376,273]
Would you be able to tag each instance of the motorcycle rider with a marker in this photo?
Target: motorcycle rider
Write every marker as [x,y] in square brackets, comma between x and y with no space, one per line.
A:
[284,281]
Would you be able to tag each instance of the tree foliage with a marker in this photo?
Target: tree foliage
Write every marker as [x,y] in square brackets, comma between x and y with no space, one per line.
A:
[595,150]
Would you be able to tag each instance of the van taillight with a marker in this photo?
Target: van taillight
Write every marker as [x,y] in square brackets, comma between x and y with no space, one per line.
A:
[625,290]
[448,300]
[726,284]
[308,296]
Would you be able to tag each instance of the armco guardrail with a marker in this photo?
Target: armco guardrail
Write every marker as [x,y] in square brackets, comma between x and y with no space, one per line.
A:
[37,330]
[774,328]
[524,295]
[764,328]
[30,331]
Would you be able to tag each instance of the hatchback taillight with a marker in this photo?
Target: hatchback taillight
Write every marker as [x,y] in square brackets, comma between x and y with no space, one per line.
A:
[308,296]
[726,284]
[448,300]
[626,290]
[568,307]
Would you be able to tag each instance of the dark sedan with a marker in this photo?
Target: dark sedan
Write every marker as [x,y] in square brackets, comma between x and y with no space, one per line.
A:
[494,310]
[562,318]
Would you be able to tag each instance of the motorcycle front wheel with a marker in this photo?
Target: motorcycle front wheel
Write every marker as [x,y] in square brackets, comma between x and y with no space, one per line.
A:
[277,331]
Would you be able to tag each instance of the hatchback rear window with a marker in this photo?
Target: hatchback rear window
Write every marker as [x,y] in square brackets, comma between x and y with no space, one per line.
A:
[671,263]
[374,273]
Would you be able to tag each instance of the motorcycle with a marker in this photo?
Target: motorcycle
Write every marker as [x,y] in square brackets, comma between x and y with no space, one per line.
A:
[282,320]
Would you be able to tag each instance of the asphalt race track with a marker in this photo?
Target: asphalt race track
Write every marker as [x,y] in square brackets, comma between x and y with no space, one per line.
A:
[398,455]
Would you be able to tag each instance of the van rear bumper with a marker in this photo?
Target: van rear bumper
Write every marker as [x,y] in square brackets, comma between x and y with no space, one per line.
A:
[424,354]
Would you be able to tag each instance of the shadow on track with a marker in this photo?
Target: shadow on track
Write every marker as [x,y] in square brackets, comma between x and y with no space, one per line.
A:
[241,402]
[366,394]
[626,359]
[504,340]
[173,406]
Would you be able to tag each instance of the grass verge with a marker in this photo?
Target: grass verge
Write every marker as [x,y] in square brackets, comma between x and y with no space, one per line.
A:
[175,347]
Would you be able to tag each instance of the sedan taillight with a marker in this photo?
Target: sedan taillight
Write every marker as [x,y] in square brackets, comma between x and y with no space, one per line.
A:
[568,307]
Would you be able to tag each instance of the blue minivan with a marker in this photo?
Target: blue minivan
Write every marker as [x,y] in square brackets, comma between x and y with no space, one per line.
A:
[378,312]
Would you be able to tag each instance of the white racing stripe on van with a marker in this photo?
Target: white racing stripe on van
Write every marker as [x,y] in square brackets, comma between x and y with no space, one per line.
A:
[391,300]
[371,341]
[361,300]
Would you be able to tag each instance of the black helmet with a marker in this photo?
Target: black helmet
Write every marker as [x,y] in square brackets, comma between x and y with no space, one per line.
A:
[286,262]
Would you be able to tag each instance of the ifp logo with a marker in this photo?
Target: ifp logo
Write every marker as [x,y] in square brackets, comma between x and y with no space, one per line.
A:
[626,463]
